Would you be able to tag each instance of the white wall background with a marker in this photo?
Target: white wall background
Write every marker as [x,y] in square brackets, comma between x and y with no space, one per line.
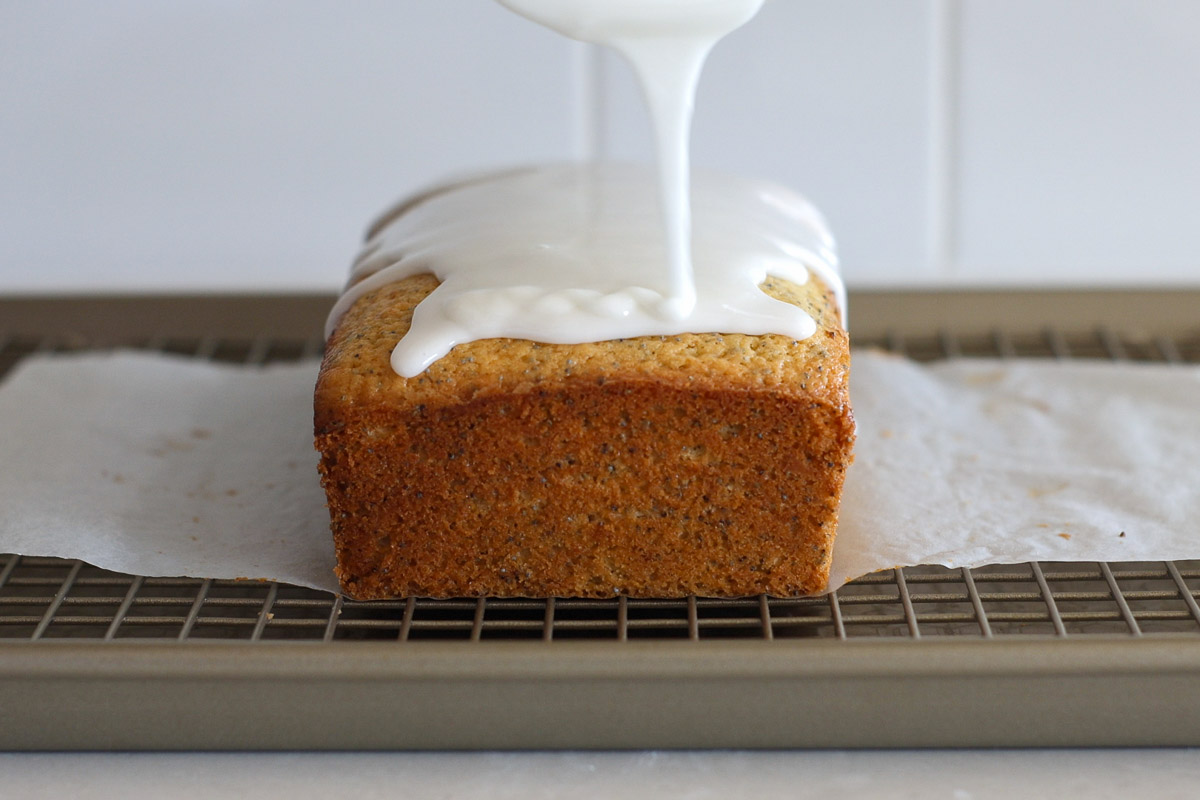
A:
[244,144]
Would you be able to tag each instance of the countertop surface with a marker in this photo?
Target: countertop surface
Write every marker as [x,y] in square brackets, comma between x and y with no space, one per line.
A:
[955,775]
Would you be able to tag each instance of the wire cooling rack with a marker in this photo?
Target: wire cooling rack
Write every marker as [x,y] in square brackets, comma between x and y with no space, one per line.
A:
[1130,626]
[48,598]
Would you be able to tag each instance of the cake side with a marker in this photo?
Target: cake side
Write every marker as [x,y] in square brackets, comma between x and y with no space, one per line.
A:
[702,464]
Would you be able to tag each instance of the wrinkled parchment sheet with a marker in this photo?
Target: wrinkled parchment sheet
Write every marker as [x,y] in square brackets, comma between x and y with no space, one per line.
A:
[158,465]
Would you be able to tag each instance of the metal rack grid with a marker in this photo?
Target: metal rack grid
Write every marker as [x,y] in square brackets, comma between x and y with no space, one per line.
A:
[48,602]
[48,598]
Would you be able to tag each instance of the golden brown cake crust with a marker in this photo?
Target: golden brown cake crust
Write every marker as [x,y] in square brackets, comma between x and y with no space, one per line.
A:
[707,464]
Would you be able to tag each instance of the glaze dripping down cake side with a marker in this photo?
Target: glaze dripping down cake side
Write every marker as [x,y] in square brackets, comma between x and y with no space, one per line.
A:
[656,466]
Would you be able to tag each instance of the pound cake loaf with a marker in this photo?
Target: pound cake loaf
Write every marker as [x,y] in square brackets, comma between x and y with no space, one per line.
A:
[655,466]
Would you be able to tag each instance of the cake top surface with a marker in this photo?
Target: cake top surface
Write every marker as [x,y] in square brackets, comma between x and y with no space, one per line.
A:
[569,254]
[357,371]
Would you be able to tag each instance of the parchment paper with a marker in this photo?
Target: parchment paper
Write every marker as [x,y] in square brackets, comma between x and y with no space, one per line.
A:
[156,465]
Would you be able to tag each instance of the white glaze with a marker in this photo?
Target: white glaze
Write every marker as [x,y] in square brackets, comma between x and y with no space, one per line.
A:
[666,43]
[566,254]
[575,254]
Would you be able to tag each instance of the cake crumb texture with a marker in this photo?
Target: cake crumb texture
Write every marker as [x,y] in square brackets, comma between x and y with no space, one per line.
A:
[662,466]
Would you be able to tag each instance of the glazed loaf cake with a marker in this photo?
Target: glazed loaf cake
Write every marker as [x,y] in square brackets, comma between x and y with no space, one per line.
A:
[658,466]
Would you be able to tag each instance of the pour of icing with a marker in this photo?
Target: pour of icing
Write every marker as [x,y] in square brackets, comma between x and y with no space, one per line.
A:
[564,255]
[666,43]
